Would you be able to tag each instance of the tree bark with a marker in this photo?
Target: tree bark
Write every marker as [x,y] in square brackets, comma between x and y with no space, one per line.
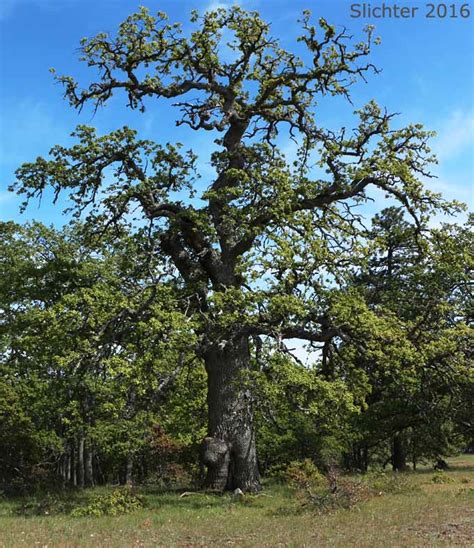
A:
[229,450]
[80,462]
[129,470]
[68,466]
[73,465]
[399,463]
[88,466]
[365,457]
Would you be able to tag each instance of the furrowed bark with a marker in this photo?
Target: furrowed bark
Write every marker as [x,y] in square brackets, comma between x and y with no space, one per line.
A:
[229,450]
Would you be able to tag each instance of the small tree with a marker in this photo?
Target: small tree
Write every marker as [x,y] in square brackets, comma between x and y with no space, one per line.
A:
[253,255]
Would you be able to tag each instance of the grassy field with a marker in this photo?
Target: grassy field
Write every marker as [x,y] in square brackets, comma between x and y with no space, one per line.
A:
[434,512]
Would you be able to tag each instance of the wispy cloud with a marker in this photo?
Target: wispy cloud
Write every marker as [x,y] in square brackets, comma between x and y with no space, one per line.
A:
[452,190]
[32,129]
[5,197]
[9,7]
[455,136]
[215,5]
[9,202]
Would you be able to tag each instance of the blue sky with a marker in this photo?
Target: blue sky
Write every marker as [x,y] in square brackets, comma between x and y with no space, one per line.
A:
[428,76]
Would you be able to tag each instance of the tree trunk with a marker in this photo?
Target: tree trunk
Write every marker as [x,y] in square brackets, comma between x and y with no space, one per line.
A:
[69,467]
[129,470]
[80,462]
[398,454]
[365,458]
[73,465]
[414,457]
[88,466]
[229,451]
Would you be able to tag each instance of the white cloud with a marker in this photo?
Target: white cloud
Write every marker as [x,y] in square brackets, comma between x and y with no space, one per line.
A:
[32,129]
[5,197]
[452,190]
[455,136]
[9,202]
[302,351]
[215,5]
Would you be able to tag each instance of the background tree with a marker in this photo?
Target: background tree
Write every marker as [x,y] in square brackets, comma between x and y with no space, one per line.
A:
[253,253]
[420,368]
[81,392]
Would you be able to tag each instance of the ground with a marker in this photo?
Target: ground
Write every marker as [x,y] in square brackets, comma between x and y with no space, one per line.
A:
[433,513]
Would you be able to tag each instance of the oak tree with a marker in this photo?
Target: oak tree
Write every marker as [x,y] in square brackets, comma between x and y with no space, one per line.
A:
[254,251]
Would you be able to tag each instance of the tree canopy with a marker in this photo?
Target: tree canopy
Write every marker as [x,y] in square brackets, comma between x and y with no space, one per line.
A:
[273,248]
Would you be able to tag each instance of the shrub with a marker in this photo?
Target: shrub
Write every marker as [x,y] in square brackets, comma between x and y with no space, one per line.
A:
[441,477]
[303,475]
[120,501]
[339,492]
[383,483]
[276,472]
[333,490]
[172,463]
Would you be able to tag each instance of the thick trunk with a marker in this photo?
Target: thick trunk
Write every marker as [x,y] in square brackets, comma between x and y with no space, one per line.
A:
[229,451]
[398,454]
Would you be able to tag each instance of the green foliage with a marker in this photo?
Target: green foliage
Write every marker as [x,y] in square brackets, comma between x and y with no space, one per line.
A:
[303,475]
[301,415]
[410,342]
[107,322]
[120,501]
[440,476]
[55,389]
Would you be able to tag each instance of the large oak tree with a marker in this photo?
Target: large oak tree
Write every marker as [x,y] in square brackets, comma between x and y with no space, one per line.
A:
[254,252]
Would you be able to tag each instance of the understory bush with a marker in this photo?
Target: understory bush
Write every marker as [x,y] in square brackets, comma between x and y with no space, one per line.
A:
[441,477]
[333,490]
[120,501]
[303,475]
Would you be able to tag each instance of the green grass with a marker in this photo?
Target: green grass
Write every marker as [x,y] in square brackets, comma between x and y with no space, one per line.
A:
[433,513]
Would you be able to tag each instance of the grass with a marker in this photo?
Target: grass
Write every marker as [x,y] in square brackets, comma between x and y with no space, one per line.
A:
[433,513]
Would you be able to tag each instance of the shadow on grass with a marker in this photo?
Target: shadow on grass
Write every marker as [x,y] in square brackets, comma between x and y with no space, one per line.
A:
[452,467]
[276,497]
[49,503]
[64,502]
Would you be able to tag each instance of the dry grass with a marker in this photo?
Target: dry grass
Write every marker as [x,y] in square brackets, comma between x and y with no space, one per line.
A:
[432,514]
